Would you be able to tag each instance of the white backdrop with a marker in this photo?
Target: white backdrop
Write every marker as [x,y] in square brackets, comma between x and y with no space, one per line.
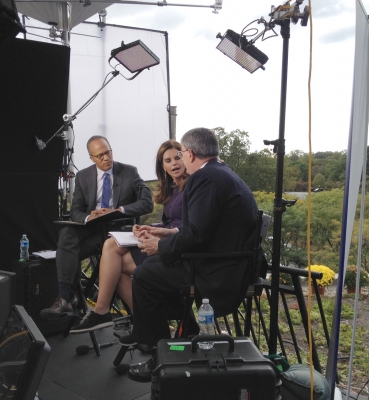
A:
[131,114]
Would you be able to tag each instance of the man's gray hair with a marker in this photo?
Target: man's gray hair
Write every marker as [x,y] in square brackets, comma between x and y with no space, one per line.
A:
[202,142]
[96,137]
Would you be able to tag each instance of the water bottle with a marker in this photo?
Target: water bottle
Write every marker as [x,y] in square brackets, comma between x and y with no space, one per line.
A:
[206,323]
[24,246]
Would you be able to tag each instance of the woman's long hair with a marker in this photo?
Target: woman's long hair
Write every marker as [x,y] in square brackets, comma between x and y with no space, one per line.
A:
[166,184]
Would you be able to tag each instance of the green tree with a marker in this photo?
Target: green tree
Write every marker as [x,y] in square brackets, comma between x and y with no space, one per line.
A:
[319,181]
[296,155]
[259,171]
[264,200]
[301,160]
[291,176]
[325,229]
[234,148]
[332,165]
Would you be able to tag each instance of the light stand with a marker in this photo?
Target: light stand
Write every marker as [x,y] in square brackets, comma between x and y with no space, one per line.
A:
[279,202]
[279,16]
[135,57]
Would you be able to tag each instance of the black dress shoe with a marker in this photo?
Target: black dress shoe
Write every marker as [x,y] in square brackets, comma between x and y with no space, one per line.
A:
[141,372]
[59,308]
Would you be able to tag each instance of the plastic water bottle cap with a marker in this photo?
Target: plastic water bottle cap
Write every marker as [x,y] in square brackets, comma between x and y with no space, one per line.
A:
[205,301]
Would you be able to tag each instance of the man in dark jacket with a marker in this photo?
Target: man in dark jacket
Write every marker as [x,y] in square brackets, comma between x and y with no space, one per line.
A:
[219,215]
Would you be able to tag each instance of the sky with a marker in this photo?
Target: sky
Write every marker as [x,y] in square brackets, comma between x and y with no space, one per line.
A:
[211,90]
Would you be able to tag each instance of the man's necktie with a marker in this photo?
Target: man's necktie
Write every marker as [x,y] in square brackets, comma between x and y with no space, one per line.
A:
[106,191]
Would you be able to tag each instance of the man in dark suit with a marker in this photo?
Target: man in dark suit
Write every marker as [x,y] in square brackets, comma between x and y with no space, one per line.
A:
[99,189]
[219,215]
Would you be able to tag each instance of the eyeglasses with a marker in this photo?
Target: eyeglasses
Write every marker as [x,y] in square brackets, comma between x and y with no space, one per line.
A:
[102,155]
[180,153]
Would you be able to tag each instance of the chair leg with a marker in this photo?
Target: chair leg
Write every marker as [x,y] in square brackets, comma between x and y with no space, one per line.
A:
[188,294]
[248,327]
[92,280]
[237,325]
[125,320]
[261,318]
[70,325]
[248,311]
[292,331]
[122,352]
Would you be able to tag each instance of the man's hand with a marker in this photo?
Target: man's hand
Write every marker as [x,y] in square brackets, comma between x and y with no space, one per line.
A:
[163,232]
[94,214]
[104,211]
[101,211]
[149,244]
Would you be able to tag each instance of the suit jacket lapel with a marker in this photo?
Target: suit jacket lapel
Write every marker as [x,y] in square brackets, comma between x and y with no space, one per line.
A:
[92,185]
[117,183]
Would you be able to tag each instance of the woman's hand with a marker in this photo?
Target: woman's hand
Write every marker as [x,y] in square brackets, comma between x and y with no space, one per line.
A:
[140,230]
[137,228]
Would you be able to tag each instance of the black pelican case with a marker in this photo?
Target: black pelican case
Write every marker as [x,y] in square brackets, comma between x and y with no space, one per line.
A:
[234,369]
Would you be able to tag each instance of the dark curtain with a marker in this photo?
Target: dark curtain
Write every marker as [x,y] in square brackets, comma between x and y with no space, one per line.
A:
[33,98]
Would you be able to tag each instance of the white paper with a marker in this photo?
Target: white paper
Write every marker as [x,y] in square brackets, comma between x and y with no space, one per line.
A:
[124,239]
[47,254]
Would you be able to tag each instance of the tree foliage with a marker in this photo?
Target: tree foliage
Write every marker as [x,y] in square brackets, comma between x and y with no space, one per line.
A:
[258,170]
[325,229]
[234,147]
[319,180]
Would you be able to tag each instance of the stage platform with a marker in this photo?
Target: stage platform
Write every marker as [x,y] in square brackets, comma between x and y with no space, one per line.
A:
[69,376]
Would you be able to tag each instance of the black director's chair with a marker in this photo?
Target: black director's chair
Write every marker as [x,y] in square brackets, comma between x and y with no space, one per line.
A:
[188,292]
[252,259]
